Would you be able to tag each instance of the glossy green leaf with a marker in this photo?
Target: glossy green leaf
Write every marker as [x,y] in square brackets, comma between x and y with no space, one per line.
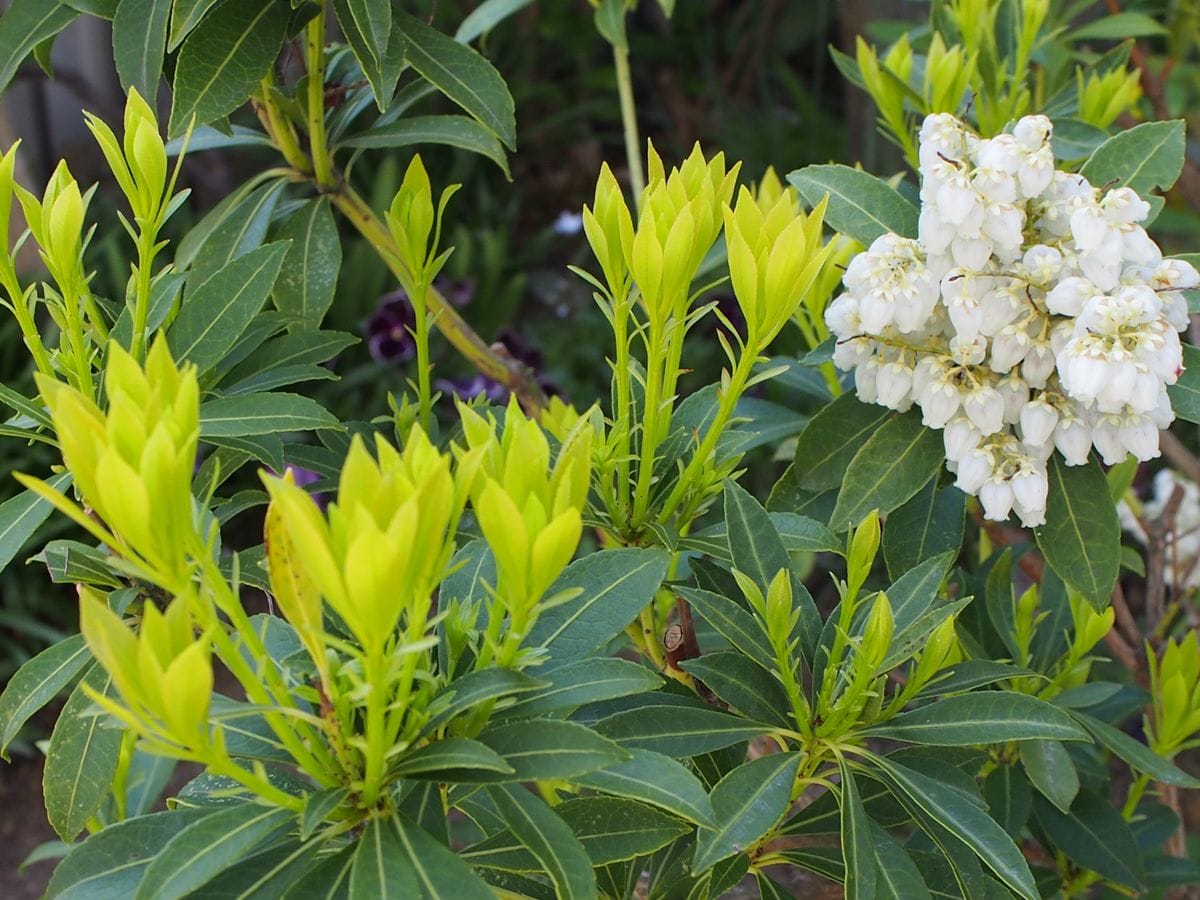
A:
[450,131]
[550,748]
[831,438]
[655,779]
[1094,836]
[453,759]
[263,413]
[1081,538]
[22,515]
[317,806]
[731,621]
[382,870]
[380,54]
[486,16]
[1009,798]
[232,228]
[962,821]
[897,875]
[1143,158]
[799,534]
[1117,27]
[894,464]
[987,717]
[463,76]
[862,869]
[1137,754]
[215,314]
[439,871]
[861,206]
[111,862]
[304,289]
[1050,769]
[743,684]
[549,839]
[223,60]
[747,803]
[754,546]
[929,524]
[25,25]
[678,731]
[139,33]
[611,830]
[327,880]
[81,759]
[1185,393]
[185,16]
[585,681]
[37,682]
[205,848]
[616,585]
[475,688]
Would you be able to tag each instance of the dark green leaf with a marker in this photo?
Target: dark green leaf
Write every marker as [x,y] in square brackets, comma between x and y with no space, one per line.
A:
[862,870]
[898,877]
[224,58]
[139,33]
[263,413]
[1050,769]
[440,872]
[37,682]
[1117,27]
[962,821]
[747,803]
[232,228]
[743,684]
[896,461]
[379,54]
[861,206]
[550,748]
[1009,798]
[585,681]
[453,759]
[611,830]
[328,879]
[318,806]
[111,862]
[929,524]
[462,75]
[1185,393]
[832,437]
[655,779]
[486,16]
[616,584]
[186,16]
[450,131]
[382,870]
[798,533]
[304,289]
[22,515]
[475,688]
[548,838]
[214,316]
[81,759]
[968,675]
[731,621]
[987,717]
[677,730]
[1136,753]
[1143,158]
[1094,836]
[754,546]
[24,25]
[1081,538]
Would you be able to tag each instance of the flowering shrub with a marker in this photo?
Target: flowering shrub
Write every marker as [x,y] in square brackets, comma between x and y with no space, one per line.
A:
[553,650]
[1031,314]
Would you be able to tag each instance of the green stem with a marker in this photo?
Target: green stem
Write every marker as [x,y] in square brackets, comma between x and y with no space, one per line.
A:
[513,375]
[424,368]
[623,413]
[29,332]
[317,144]
[650,423]
[376,674]
[279,129]
[142,293]
[728,402]
[633,150]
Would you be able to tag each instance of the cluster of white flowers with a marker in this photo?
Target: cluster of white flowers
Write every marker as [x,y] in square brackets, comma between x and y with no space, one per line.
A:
[1032,313]
[1181,565]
